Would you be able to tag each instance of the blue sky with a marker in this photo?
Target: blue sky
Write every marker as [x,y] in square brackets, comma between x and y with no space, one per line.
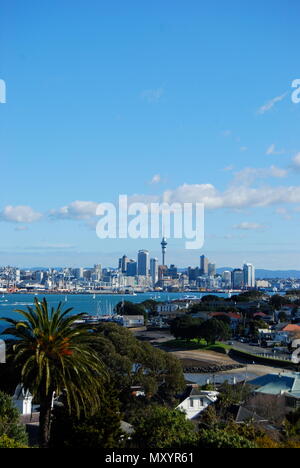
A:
[143,98]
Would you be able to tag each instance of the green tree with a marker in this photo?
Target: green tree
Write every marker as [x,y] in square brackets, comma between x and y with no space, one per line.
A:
[10,421]
[131,362]
[217,438]
[7,442]
[278,301]
[55,353]
[213,330]
[162,428]
[100,430]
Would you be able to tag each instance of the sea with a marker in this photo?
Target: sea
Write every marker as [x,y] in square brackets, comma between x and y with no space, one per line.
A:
[98,304]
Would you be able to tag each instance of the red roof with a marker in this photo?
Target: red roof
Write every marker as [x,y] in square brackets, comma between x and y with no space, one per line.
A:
[260,314]
[291,328]
[230,315]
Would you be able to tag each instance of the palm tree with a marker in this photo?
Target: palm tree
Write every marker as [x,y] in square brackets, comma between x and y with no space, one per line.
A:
[55,354]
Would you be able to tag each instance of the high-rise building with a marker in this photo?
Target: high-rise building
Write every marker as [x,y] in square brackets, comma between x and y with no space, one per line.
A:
[124,261]
[131,268]
[78,273]
[211,269]
[238,278]
[204,265]
[143,263]
[226,277]
[97,273]
[249,275]
[154,270]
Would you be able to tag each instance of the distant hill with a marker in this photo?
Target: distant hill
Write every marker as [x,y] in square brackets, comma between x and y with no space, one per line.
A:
[268,274]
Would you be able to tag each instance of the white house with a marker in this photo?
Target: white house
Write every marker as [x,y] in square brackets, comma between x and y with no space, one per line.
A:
[132,321]
[22,400]
[197,401]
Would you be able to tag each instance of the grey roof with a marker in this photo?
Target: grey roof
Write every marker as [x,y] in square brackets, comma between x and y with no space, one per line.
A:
[276,384]
[246,415]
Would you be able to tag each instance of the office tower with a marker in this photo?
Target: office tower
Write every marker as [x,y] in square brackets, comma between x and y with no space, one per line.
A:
[163,248]
[131,268]
[193,273]
[78,273]
[124,261]
[226,276]
[154,270]
[143,263]
[97,272]
[249,275]
[238,278]
[211,268]
[203,265]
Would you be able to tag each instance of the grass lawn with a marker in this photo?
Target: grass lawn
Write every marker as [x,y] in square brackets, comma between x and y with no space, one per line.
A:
[202,345]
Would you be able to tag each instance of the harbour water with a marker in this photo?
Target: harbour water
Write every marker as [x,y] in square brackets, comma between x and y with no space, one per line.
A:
[99,304]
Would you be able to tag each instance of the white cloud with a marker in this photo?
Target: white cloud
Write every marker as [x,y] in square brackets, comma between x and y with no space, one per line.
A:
[250,174]
[247,226]
[270,104]
[283,212]
[156,179]
[272,151]
[296,161]
[228,168]
[19,214]
[76,210]
[235,197]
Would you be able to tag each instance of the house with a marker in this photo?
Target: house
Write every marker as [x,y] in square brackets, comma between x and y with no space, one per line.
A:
[167,307]
[197,401]
[285,384]
[132,321]
[22,400]
[284,332]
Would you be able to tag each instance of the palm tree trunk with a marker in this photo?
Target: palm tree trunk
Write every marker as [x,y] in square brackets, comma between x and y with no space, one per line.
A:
[45,420]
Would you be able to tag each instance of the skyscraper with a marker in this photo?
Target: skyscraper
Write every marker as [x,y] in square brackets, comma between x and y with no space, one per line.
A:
[131,268]
[249,275]
[154,270]
[211,268]
[124,262]
[226,276]
[143,263]
[238,278]
[203,265]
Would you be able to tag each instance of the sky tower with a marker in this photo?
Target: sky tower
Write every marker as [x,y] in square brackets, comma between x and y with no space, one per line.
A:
[163,248]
